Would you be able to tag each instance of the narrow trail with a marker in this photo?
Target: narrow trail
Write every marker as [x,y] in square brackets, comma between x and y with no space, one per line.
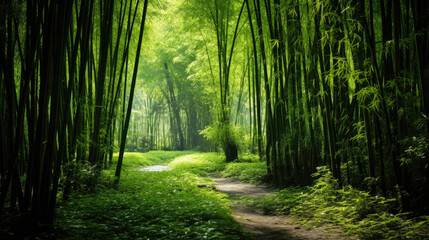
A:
[263,226]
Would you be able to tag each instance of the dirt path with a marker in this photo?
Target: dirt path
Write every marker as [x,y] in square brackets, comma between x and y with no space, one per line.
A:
[263,226]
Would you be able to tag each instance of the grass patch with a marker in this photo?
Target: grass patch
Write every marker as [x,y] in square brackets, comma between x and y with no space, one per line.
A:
[132,160]
[164,157]
[246,168]
[201,164]
[135,159]
[251,172]
[150,205]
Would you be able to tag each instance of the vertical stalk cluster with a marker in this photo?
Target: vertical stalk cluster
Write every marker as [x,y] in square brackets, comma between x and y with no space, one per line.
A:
[343,90]
[61,73]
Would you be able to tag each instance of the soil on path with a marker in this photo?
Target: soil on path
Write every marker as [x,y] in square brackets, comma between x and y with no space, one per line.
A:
[263,226]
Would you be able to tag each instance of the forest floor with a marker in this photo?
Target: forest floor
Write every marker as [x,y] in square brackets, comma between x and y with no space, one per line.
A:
[193,195]
[263,226]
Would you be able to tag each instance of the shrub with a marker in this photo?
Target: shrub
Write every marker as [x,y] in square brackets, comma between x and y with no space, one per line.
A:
[357,211]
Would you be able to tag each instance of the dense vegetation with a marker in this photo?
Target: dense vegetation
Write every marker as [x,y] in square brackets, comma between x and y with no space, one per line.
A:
[302,84]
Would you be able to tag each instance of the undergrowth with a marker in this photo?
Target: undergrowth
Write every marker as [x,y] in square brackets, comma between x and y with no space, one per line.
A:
[150,205]
[356,211]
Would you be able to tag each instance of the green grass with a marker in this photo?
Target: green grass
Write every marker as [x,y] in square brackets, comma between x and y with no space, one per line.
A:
[247,168]
[252,172]
[201,164]
[135,159]
[152,205]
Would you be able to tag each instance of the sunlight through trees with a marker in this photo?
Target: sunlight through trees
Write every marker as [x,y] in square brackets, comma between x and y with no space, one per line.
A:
[302,84]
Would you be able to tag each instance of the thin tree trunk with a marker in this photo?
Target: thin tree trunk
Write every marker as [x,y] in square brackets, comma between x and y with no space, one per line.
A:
[130,102]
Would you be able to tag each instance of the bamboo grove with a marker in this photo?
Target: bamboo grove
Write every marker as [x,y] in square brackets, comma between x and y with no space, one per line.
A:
[348,89]
[301,83]
[342,83]
[61,84]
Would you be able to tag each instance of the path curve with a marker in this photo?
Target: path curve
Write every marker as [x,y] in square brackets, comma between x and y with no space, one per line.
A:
[263,226]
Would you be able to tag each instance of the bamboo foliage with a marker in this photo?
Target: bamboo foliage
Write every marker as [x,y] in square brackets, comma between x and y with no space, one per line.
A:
[338,83]
[338,90]
[59,96]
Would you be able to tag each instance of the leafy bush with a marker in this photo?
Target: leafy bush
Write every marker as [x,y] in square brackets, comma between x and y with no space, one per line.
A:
[357,211]
[81,176]
[216,133]
[248,158]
